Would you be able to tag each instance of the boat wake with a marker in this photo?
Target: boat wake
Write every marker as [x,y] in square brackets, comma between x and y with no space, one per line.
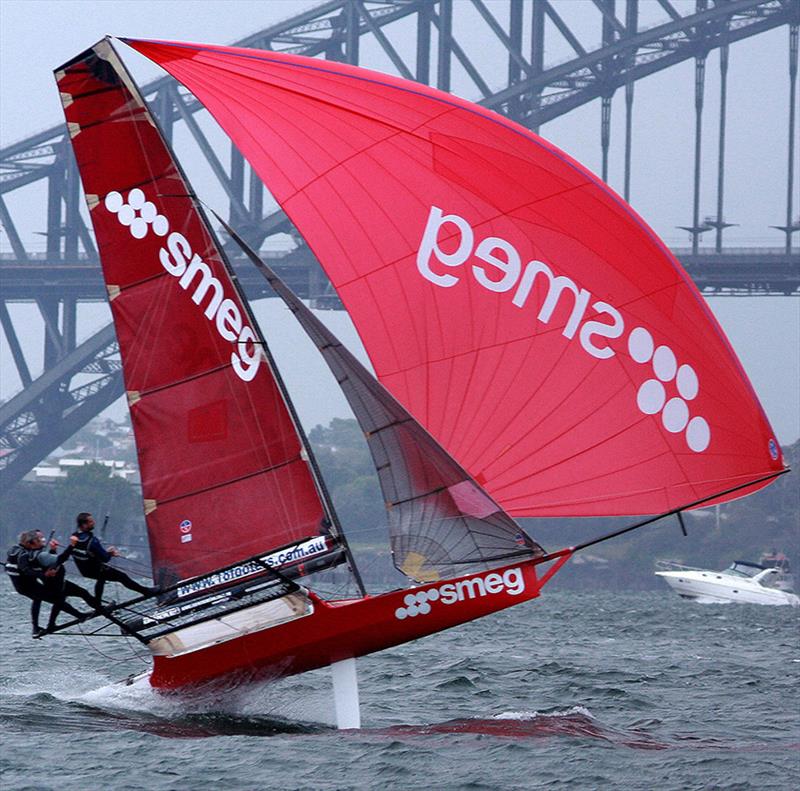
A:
[576,722]
[74,716]
[135,708]
[47,703]
[268,711]
[709,600]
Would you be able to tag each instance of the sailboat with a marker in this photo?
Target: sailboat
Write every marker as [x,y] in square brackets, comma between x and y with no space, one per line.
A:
[537,351]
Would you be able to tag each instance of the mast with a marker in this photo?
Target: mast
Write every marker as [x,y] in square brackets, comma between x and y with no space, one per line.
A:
[327,501]
[191,373]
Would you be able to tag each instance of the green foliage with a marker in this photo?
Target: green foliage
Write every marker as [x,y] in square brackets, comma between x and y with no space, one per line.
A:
[90,488]
[346,465]
[53,506]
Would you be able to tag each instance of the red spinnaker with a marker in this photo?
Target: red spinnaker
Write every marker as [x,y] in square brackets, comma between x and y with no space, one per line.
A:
[223,476]
[517,307]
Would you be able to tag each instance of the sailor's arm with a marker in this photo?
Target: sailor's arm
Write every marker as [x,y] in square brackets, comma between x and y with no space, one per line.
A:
[100,552]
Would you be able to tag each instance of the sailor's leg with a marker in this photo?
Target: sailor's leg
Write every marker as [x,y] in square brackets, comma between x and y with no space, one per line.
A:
[61,604]
[98,589]
[71,589]
[73,611]
[36,605]
[115,575]
[55,609]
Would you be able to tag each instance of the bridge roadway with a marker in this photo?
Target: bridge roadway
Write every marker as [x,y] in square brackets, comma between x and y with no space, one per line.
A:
[745,271]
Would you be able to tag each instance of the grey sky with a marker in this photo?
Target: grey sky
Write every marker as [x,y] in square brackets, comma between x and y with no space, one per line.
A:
[38,35]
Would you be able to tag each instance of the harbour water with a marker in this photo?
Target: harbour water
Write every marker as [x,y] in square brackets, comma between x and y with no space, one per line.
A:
[579,691]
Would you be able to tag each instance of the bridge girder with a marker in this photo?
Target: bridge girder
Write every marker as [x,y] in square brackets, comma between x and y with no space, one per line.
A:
[80,381]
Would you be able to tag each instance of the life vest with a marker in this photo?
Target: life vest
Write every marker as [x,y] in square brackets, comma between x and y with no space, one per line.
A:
[23,583]
[87,562]
[12,561]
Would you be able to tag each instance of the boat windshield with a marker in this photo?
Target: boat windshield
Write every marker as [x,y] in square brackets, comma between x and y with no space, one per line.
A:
[741,568]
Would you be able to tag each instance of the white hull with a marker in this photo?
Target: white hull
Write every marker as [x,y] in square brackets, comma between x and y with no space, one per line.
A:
[717,586]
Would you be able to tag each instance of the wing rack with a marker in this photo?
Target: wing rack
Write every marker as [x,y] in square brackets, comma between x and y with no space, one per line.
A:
[147,618]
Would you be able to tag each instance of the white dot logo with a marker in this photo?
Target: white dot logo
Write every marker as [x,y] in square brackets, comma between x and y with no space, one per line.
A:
[687,383]
[138,214]
[664,364]
[652,397]
[698,434]
[640,345]
[675,415]
[416,604]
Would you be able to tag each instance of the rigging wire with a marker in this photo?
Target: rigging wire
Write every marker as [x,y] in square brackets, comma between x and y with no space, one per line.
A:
[109,658]
[673,512]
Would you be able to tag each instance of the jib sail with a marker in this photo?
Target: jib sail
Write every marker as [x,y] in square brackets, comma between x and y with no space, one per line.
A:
[225,471]
[515,306]
[441,523]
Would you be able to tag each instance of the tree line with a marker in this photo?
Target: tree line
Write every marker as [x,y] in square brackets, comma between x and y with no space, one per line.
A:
[743,529]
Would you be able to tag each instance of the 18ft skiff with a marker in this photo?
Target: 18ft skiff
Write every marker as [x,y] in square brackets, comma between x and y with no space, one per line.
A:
[538,351]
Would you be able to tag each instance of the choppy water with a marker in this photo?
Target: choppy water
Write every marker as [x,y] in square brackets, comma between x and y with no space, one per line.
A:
[573,691]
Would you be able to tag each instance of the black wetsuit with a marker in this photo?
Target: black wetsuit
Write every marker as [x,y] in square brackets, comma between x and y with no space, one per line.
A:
[92,558]
[57,588]
[29,579]
[25,583]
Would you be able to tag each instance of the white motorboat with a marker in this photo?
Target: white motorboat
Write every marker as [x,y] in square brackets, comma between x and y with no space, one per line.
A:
[742,582]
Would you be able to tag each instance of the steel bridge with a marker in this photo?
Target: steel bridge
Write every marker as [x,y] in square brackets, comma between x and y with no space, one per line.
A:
[421,40]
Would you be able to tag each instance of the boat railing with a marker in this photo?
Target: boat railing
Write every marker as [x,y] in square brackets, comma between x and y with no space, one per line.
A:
[673,565]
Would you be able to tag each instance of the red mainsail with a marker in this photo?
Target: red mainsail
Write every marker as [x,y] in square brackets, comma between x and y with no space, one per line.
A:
[516,306]
[224,472]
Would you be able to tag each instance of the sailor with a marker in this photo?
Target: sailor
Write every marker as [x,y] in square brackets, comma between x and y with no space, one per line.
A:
[37,580]
[25,582]
[92,559]
[56,585]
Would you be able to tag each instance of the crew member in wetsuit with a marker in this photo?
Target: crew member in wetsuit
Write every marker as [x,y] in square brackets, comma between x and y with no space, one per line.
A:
[92,558]
[56,585]
[32,579]
[26,584]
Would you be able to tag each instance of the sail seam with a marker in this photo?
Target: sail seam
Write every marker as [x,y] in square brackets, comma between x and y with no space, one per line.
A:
[143,281]
[388,426]
[489,219]
[492,558]
[418,496]
[76,96]
[637,492]
[261,471]
[186,379]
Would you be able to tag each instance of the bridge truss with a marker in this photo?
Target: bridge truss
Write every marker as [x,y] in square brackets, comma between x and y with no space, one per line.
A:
[81,380]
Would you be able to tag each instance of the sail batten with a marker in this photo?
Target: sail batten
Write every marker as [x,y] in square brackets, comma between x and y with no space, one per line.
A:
[230,481]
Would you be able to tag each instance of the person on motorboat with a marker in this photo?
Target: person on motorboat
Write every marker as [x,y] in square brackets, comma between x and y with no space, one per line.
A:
[92,559]
[39,578]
